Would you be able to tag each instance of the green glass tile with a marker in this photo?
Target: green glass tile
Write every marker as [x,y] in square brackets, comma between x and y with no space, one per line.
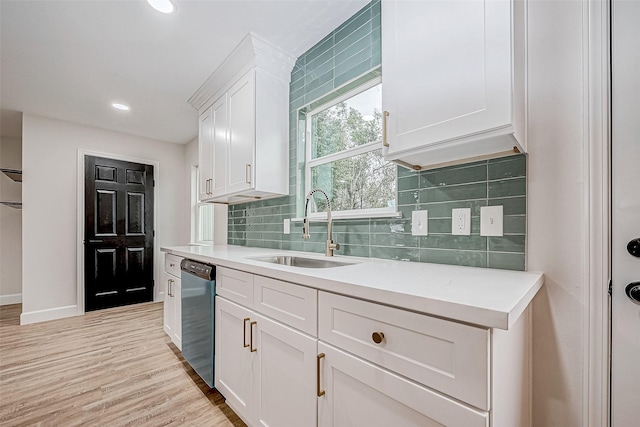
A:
[409,182]
[408,198]
[444,241]
[354,66]
[350,46]
[456,192]
[352,239]
[318,63]
[297,73]
[376,57]
[273,227]
[508,167]
[391,225]
[354,24]
[443,209]
[511,205]
[515,224]
[314,247]
[439,226]
[464,258]
[316,83]
[319,49]
[297,103]
[319,92]
[394,240]
[351,250]
[507,188]
[510,243]
[406,210]
[403,254]
[453,176]
[403,172]
[351,226]
[298,85]
[352,72]
[317,72]
[375,7]
[293,246]
[506,261]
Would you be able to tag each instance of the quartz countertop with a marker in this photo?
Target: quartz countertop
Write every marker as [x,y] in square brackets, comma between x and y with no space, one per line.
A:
[480,296]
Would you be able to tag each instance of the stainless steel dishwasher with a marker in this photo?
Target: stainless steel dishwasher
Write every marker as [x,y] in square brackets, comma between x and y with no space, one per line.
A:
[198,297]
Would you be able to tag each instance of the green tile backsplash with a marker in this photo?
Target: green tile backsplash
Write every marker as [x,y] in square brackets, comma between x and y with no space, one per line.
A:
[343,60]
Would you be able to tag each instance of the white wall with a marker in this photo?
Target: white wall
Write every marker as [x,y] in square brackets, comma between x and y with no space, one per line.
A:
[10,224]
[220,211]
[49,190]
[556,205]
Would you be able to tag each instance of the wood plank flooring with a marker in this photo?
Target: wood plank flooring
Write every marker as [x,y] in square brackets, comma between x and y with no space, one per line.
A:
[113,367]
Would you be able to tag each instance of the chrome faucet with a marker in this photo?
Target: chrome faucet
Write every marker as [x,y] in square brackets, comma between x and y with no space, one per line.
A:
[331,246]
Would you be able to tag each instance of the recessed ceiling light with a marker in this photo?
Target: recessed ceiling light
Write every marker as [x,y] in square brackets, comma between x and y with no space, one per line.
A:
[164,6]
[118,106]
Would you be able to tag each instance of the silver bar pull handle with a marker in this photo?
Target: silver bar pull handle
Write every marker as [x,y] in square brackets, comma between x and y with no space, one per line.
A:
[248,173]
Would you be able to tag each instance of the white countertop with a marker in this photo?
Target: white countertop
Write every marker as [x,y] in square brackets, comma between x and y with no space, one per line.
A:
[481,296]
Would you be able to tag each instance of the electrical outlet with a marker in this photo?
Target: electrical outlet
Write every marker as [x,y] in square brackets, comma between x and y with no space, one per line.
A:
[287,226]
[491,221]
[461,222]
[420,223]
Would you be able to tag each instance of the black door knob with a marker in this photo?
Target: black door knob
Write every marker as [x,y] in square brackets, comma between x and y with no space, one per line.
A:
[633,292]
[634,247]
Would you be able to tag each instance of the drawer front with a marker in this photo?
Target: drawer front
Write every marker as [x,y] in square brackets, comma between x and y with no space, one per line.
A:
[172,264]
[234,285]
[359,393]
[447,356]
[294,305]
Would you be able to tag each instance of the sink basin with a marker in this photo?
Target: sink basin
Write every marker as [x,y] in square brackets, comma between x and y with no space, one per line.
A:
[297,261]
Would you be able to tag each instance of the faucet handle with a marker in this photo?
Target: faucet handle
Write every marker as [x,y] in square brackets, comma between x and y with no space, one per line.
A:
[305,229]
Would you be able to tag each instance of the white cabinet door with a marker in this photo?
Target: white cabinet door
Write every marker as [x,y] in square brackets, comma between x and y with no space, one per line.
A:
[241,134]
[220,140]
[285,376]
[169,305]
[205,154]
[233,357]
[177,301]
[358,393]
[447,74]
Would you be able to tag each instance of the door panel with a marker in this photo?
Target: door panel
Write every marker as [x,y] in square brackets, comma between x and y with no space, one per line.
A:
[118,233]
[625,313]
[241,134]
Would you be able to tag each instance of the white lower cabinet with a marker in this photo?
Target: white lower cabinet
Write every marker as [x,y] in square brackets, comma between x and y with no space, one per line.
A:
[173,299]
[265,370]
[359,393]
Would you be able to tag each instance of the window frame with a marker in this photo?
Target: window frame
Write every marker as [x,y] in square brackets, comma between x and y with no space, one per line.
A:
[350,152]
[195,209]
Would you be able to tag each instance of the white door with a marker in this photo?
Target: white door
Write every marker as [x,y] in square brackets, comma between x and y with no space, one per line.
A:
[625,351]
[285,376]
[241,134]
[169,306]
[176,290]
[233,357]
[220,140]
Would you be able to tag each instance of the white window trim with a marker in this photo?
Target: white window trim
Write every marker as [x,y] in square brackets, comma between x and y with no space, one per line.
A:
[195,210]
[386,212]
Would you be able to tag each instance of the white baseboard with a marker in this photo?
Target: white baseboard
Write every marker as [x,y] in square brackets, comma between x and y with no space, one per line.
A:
[48,314]
[11,299]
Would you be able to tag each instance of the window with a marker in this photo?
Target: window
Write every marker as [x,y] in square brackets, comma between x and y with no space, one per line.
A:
[344,155]
[201,214]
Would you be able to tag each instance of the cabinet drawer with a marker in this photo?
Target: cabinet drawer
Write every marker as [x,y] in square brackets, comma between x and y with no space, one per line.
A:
[447,356]
[236,286]
[294,305]
[172,264]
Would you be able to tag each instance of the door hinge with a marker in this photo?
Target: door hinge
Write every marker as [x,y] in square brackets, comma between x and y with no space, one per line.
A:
[610,291]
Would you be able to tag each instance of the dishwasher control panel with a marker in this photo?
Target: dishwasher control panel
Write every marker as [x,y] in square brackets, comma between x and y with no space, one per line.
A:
[199,269]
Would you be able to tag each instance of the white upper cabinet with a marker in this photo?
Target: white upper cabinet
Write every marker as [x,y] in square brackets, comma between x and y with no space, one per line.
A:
[453,80]
[244,124]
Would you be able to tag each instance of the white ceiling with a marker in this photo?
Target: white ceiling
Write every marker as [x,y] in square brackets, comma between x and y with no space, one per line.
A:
[70,60]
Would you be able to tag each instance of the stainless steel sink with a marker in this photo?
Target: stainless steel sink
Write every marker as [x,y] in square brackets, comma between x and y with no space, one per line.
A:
[297,261]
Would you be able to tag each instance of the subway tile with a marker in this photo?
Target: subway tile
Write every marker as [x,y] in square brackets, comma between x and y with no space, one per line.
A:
[408,183]
[348,47]
[443,209]
[408,197]
[456,192]
[354,25]
[319,49]
[352,72]
[351,226]
[317,72]
[348,57]
[403,254]
[391,225]
[511,205]
[354,250]
[507,188]
[394,240]
[463,258]
[320,61]
[508,167]
[511,243]
[506,261]
[353,239]
[453,176]
[444,241]
[326,77]
[440,226]
[514,224]
[318,92]
[353,67]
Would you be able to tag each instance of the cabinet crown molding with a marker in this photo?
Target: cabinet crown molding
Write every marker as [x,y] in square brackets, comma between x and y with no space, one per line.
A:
[252,51]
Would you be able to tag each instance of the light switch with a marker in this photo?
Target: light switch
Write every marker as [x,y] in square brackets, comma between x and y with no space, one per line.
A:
[287,226]
[420,223]
[491,221]
[461,222]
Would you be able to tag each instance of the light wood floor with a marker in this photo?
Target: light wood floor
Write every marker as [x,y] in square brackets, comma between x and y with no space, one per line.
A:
[113,367]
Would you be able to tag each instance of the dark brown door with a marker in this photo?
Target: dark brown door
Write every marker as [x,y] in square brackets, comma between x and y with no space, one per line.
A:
[118,233]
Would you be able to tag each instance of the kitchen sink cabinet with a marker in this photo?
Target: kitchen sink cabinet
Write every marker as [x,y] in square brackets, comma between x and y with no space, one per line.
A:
[244,125]
[453,80]
[173,299]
